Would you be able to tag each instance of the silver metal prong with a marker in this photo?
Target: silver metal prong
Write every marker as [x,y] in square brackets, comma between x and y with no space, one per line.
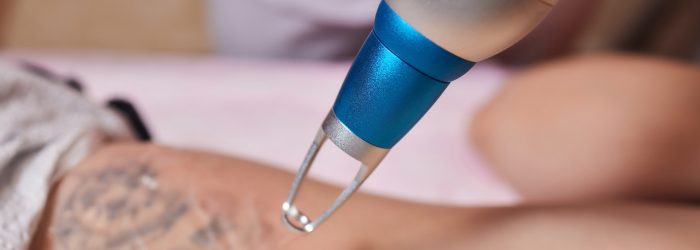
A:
[288,208]
[292,217]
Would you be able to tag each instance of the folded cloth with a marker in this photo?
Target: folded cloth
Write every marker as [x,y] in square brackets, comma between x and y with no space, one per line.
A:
[45,128]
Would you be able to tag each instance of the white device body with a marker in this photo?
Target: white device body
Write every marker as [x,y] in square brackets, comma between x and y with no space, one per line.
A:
[473,29]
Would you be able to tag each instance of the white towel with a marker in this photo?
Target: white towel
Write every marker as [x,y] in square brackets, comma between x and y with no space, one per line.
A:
[45,128]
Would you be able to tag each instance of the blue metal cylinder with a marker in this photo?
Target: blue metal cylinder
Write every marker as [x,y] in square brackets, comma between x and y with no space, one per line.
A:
[395,79]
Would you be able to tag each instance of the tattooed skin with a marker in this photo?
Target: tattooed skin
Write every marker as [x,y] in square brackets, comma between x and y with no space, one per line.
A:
[125,208]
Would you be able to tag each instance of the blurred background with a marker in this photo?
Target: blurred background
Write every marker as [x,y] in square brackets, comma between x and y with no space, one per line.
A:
[256,77]
[305,29]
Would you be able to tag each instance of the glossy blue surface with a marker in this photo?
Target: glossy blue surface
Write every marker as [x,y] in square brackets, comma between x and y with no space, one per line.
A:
[395,79]
[383,97]
[414,48]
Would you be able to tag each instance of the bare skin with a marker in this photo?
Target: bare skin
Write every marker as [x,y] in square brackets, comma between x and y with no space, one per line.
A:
[142,196]
[205,201]
[592,127]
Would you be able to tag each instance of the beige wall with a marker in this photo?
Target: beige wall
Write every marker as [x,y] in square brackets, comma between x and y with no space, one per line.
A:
[132,25]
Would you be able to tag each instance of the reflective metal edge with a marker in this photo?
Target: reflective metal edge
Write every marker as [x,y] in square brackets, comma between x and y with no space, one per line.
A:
[350,143]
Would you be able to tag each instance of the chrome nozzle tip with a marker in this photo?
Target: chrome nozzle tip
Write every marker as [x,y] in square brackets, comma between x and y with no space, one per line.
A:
[369,157]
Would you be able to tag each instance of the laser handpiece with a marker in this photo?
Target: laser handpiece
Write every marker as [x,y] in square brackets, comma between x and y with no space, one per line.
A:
[416,48]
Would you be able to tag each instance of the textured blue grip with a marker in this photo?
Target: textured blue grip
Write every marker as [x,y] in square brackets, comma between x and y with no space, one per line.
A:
[415,49]
[383,97]
[395,79]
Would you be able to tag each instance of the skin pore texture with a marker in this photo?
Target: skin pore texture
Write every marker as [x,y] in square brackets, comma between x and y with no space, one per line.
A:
[145,196]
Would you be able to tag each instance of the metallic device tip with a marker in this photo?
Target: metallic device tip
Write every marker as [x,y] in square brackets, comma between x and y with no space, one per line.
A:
[369,157]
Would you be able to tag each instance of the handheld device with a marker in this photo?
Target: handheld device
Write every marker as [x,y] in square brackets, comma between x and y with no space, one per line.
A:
[416,48]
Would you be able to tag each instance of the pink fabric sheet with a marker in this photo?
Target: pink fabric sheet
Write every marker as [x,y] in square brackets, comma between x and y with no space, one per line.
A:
[270,110]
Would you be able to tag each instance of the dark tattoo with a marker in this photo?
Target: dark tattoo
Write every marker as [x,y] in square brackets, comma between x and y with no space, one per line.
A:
[124,208]
[208,234]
